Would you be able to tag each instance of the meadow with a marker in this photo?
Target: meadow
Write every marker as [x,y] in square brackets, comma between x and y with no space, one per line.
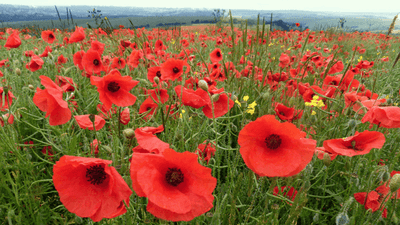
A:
[208,124]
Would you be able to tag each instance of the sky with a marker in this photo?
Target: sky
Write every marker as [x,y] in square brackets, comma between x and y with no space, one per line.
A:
[309,5]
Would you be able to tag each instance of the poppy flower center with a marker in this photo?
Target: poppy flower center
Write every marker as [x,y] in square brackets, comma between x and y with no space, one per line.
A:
[218,54]
[113,87]
[174,176]
[273,141]
[96,174]
[353,146]
[175,69]
[158,74]
[51,36]
[96,62]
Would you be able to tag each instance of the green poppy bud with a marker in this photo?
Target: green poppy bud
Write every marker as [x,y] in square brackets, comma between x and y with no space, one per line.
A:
[394,184]
[129,133]
[203,85]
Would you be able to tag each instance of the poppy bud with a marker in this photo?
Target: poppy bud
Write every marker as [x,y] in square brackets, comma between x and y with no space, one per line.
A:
[129,133]
[265,95]
[215,97]
[352,123]
[156,80]
[107,148]
[18,71]
[51,55]
[385,176]
[203,85]
[395,183]
[234,97]
[31,87]
[326,159]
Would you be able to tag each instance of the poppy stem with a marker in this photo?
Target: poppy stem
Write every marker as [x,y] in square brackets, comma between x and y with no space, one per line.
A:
[119,121]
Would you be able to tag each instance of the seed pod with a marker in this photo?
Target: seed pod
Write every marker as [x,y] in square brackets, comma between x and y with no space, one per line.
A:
[326,159]
[203,85]
[394,184]
[215,97]
[18,71]
[129,133]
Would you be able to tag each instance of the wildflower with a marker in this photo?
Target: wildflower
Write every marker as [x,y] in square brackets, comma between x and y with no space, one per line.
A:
[216,55]
[206,152]
[172,69]
[237,102]
[125,116]
[178,188]
[84,122]
[270,148]
[48,36]
[13,41]
[148,142]
[388,117]
[313,112]
[88,187]
[359,144]
[287,191]
[245,98]
[50,101]
[6,97]
[114,89]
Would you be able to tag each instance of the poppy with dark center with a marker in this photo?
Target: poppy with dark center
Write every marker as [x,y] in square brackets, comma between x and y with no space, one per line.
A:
[285,113]
[148,107]
[172,69]
[91,62]
[114,89]
[178,188]
[216,55]
[48,36]
[118,63]
[274,149]
[359,144]
[77,36]
[88,187]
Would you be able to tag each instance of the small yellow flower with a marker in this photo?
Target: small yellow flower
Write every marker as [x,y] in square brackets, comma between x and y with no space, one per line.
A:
[282,46]
[395,103]
[251,111]
[252,105]
[313,113]
[237,102]
[378,53]
[360,59]
[273,58]
[289,48]
[105,18]
[245,98]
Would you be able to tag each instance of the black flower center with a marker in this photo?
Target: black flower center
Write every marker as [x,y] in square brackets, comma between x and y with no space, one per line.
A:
[96,174]
[113,87]
[174,176]
[96,62]
[175,69]
[51,36]
[273,141]
[218,54]
[158,74]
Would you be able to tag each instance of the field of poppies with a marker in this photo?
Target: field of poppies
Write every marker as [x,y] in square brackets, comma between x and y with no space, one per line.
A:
[199,125]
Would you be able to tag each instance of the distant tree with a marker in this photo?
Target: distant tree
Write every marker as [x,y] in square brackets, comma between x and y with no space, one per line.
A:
[219,16]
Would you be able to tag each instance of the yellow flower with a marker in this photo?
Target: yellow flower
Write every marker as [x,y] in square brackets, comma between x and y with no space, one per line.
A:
[245,98]
[251,111]
[395,103]
[360,59]
[378,53]
[282,46]
[105,18]
[237,102]
[313,113]
[252,105]
[289,48]
[273,58]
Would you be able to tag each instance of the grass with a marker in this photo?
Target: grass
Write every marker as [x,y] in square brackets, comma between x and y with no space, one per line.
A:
[325,188]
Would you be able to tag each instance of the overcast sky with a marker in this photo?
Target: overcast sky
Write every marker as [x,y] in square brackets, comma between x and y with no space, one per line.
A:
[310,5]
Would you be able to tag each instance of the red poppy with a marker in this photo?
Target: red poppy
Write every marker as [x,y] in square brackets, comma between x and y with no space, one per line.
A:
[35,63]
[118,63]
[320,151]
[62,60]
[92,63]
[153,72]
[216,55]
[13,41]
[195,99]
[77,58]
[84,122]
[48,36]
[94,147]
[66,83]
[206,151]
[286,191]
[178,188]
[173,69]
[77,36]
[285,113]
[125,117]
[148,142]
[6,117]
[359,144]
[7,96]
[50,101]
[149,107]
[297,24]
[114,89]
[284,60]
[270,148]
[388,117]
[90,188]
[221,106]
[371,200]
